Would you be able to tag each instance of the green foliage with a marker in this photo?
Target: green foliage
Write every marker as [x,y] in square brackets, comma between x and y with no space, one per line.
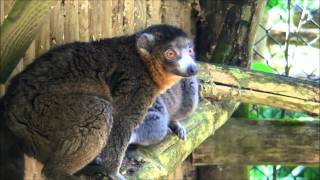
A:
[282,4]
[261,172]
[312,172]
[284,172]
[260,66]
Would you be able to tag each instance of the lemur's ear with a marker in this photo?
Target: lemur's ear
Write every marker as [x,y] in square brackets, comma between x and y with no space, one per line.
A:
[145,43]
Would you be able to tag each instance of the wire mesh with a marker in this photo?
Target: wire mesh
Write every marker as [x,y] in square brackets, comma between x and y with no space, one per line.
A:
[288,41]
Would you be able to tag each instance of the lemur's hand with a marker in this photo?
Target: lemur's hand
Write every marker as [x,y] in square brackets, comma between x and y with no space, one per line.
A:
[177,129]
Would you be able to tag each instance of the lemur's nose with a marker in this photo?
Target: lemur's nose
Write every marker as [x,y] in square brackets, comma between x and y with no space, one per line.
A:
[192,70]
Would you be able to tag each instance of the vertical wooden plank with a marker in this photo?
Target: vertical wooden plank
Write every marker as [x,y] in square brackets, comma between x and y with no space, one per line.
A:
[2,86]
[84,20]
[42,42]
[92,20]
[57,25]
[185,16]
[95,12]
[30,54]
[177,13]
[140,15]
[1,11]
[106,18]
[71,21]
[117,17]
[171,12]
[153,12]
[98,13]
[7,6]
[128,17]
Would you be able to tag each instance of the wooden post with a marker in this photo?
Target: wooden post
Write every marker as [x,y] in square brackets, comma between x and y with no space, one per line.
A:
[18,30]
[242,141]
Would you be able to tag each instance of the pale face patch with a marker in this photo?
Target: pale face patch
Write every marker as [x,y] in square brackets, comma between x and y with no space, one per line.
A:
[184,62]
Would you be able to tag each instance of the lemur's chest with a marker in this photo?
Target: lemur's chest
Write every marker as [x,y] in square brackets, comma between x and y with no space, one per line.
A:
[167,81]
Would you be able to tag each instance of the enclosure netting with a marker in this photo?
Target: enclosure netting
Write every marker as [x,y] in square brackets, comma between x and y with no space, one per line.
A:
[287,43]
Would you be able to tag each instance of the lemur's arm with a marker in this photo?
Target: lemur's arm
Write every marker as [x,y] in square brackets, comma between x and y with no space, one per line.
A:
[189,102]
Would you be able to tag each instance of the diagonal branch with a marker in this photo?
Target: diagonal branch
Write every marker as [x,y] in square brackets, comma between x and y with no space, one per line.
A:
[18,31]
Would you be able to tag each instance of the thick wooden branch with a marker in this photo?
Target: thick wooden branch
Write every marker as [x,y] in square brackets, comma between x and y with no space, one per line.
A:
[18,30]
[162,159]
[261,142]
[223,82]
[298,38]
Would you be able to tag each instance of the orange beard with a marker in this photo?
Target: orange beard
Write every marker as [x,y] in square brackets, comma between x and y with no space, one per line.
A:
[160,76]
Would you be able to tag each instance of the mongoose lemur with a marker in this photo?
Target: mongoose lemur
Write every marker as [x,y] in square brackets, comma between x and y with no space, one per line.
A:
[165,115]
[78,98]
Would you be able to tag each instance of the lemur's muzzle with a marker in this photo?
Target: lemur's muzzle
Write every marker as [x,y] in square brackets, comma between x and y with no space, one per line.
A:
[192,70]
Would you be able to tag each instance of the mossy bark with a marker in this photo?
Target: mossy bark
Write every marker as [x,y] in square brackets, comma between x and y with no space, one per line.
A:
[162,159]
[224,82]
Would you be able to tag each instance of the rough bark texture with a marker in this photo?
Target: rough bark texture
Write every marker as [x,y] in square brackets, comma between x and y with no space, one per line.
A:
[209,17]
[226,30]
[223,82]
[18,31]
[242,141]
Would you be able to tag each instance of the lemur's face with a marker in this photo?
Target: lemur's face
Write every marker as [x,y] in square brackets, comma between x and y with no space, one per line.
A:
[179,57]
[176,56]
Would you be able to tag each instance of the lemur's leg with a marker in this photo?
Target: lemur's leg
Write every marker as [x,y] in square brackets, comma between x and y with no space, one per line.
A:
[129,114]
[75,138]
[153,129]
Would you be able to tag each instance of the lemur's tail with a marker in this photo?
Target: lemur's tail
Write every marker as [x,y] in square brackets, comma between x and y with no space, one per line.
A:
[11,153]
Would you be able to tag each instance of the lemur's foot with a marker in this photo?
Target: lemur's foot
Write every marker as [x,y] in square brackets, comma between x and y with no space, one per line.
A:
[181,132]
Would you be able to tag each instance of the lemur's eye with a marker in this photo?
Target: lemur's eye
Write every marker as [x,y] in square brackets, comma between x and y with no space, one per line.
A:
[190,51]
[170,54]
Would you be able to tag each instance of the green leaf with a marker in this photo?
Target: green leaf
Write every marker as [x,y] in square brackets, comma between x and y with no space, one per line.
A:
[260,66]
